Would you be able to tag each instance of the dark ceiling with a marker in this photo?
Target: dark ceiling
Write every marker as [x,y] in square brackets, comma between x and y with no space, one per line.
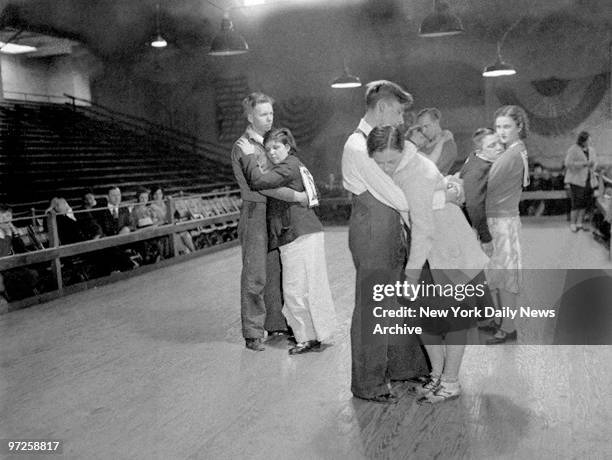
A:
[119,29]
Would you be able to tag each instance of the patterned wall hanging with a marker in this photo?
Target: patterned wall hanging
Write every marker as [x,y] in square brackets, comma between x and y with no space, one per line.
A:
[304,116]
[229,93]
[556,106]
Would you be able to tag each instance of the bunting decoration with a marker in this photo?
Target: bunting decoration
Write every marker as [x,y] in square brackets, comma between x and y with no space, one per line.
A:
[304,116]
[229,93]
[556,106]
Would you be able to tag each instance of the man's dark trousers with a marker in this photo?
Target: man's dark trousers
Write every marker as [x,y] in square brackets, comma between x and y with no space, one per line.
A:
[260,282]
[377,247]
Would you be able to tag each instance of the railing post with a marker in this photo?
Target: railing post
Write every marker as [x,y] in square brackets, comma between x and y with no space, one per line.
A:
[56,265]
[170,218]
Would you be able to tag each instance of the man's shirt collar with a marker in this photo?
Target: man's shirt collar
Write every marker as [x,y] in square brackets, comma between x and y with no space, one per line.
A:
[364,127]
[252,135]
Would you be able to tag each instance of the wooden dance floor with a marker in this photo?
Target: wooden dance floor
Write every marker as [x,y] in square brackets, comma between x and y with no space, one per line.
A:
[155,367]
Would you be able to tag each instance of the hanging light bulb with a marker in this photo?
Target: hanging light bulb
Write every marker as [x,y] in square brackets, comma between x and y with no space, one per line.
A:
[346,80]
[228,42]
[158,41]
[441,23]
[499,68]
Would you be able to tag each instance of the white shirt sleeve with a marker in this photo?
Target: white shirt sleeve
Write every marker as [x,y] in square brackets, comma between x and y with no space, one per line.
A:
[361,172]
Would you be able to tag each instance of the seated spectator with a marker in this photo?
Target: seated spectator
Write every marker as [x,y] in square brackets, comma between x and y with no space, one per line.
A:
[158,205]
[88,219]
[69,231]
[68,228]
[16,283]
[116,219]
[142,214]
[540,178]
[160,210]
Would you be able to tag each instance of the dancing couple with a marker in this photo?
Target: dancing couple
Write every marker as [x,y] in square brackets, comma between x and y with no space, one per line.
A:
[388,178]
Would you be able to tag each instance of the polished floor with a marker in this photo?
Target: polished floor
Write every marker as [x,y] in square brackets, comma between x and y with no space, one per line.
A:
[154,368]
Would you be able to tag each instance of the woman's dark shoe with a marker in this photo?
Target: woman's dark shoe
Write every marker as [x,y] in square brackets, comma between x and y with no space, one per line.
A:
[491,326]
[502,337]
[254,344]
[305,347]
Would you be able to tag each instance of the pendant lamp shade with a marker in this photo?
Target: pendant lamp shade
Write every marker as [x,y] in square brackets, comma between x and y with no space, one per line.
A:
[501,68]
[346,80]
[498,69]
[158,41]
[441,23]
[228,42]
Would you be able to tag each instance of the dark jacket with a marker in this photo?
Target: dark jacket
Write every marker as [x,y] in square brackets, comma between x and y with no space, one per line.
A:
[110,225]
[89,224]
[286,221]
[68,230]
[475,175]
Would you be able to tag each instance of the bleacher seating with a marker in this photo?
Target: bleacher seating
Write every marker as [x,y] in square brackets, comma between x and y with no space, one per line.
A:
[51,150]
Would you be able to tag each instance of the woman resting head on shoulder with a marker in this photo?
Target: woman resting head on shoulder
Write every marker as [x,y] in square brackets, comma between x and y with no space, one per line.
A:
[279,144]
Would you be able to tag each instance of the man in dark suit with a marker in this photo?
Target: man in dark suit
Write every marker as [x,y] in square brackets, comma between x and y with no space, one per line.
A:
[116,219]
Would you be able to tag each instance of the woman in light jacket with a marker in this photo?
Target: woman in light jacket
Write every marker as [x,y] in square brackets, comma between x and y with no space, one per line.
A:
[580,162]
[444,251]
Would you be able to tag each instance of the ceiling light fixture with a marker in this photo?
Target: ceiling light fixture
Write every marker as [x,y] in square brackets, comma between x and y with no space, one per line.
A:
[14,48]
[500,68]
[346,80]
[158,41]
[440,23]
[228,42]
[8,47]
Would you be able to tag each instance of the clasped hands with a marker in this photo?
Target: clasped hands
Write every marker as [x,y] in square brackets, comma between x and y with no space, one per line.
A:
[454,190]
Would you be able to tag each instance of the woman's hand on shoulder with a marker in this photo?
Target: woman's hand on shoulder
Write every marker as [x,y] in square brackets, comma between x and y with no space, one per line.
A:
[246,147]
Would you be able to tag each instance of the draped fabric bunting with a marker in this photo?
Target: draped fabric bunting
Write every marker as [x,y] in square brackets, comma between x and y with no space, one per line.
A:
[229,93]
[304,116]
[556,106]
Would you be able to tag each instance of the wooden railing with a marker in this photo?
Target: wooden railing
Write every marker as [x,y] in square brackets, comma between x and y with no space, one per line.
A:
[56,252]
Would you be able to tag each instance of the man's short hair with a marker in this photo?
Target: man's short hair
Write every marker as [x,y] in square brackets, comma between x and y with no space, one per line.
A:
[249,102]
[5,208]
[113,187]
[433,113]
[384,89]
[479,135]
